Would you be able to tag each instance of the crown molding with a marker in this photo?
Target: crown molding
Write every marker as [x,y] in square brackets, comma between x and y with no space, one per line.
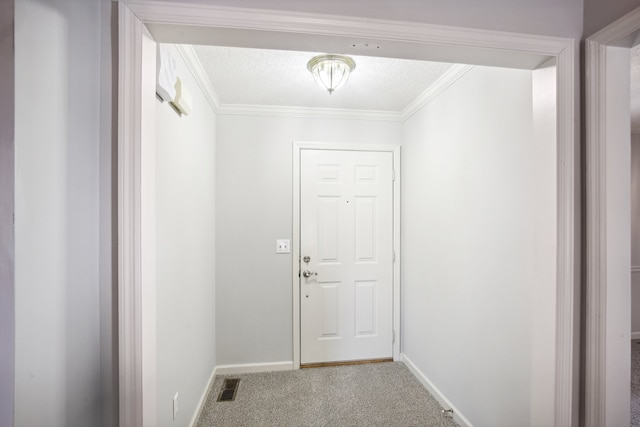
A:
[190,58]
[192,61]
[307,112]
[445,81]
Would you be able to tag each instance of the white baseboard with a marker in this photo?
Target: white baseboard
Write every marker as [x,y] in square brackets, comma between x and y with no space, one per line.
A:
[457,415]
[249,368]
[203,398]
[635,335]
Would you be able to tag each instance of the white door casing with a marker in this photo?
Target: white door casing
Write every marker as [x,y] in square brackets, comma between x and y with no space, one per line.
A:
[136,223]
[346,241]
[608,258]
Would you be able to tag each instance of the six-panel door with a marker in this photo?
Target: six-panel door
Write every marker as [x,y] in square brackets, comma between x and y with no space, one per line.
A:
[346,231]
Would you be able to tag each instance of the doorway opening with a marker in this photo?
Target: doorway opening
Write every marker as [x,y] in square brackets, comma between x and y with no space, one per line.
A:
[486,48]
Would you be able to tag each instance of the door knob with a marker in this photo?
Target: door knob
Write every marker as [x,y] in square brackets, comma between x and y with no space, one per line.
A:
[308,273]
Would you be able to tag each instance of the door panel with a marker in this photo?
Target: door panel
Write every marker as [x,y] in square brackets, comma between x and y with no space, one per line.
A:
[346,229]
[365,308]
[329,310]
[365,229]
[328,228]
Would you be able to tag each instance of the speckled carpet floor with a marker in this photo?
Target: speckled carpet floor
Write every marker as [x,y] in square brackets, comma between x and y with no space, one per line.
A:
[635,383]
[380,394]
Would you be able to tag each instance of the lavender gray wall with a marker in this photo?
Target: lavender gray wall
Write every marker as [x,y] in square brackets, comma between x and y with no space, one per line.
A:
[6,213]
[57,213]
[600,13]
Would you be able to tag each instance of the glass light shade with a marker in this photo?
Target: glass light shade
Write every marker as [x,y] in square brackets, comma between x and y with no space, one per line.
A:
[331,71]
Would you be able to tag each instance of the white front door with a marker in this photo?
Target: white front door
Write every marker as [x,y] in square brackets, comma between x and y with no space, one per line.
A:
[346,249]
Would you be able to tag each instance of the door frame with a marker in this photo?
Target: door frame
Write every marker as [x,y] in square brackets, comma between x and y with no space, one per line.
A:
[298,146]
[607,109]
[466,41]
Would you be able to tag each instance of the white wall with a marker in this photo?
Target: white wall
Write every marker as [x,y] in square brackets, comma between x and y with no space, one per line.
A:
[185,239]
[253,209]
[57,112]
[543,200]
[635,234]
[476,226]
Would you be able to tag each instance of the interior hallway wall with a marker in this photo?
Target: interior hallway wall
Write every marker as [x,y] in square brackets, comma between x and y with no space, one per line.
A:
[57,130]
[185,250]
[558,18]
[635,235]
[475,238]
[254,186]
[600,13]
[7,189]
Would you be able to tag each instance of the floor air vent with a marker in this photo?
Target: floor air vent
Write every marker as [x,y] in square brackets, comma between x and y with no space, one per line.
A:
[229,389]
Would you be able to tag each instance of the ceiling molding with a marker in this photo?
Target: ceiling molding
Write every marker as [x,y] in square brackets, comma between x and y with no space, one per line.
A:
[194,65]
[306,112]
[439,86]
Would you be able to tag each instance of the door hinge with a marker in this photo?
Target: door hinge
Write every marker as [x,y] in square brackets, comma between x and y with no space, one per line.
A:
[393,341]
[393,176]
[394,256]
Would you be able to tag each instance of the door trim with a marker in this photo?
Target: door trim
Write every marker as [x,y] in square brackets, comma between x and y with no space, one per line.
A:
[603,106]
[130,329]
[298,146]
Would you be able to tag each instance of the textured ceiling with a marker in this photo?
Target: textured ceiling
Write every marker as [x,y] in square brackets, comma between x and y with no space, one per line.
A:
[635,89]
[243,76]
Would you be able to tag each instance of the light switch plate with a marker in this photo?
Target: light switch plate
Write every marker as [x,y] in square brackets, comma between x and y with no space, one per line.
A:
[283,246]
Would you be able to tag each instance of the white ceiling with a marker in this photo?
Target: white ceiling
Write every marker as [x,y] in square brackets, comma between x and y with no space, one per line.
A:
[245,76]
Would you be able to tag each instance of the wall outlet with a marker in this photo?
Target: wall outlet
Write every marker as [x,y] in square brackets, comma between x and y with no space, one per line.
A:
[175,406]
[283,246]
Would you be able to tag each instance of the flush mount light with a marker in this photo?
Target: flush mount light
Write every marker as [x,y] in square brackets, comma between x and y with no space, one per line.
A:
[331,71]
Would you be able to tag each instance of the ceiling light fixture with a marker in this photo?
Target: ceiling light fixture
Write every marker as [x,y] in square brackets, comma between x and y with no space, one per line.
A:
[331,71]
